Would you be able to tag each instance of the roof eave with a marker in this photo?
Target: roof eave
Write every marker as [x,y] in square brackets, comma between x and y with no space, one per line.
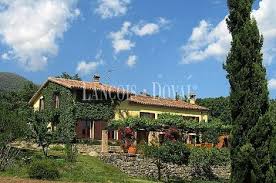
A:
[193,109]
[31,101]
[50,79]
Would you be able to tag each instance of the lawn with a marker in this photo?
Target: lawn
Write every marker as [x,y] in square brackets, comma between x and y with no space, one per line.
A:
[86,169]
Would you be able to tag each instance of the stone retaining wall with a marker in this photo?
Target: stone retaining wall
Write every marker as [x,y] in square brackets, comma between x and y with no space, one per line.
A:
[140,166]
[92,150]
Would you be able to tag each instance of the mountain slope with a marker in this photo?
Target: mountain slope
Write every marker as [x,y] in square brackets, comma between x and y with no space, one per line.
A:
[12,82]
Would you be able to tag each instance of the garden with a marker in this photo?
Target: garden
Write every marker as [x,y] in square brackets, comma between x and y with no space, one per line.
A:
[170,147]
[51,162]
[34,165]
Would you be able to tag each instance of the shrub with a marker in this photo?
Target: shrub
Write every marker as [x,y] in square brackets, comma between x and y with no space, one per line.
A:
[71,152]
[89,142]
[8,156]
[57,148]
[169,152]
[202,159]
[43,169]
[220,157]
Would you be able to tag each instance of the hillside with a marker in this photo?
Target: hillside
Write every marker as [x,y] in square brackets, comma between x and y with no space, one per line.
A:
[12,82]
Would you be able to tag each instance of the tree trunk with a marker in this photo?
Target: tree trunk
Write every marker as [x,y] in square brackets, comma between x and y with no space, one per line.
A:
[45,150]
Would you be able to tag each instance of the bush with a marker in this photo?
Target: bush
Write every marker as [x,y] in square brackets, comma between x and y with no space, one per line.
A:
[202,159]
[71,152]
[220,157]
[169,152]
[8,155]
[43,169]
[57,148]
[89,142]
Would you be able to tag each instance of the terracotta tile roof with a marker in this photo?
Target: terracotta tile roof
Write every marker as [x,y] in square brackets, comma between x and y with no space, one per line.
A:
[140,99]
[74,84]
[156,101]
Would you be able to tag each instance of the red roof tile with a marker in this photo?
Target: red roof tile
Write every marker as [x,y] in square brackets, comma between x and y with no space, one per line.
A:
[68,83]
[75,84]
[156,101]
[140,99]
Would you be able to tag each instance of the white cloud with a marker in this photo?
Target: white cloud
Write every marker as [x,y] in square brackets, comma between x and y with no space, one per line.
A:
[31,29]
[87,67]
[131,61]
[163,21]
[121,39]
[272,84]
[112,8]
[6,56]
[119,42]
[266,16]
[149,28]
[208,41]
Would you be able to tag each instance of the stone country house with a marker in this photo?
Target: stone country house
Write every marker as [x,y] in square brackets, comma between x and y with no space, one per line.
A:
[130,105]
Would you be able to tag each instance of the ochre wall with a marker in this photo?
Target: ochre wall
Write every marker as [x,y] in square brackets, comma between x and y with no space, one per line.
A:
[126,109]
[36,103]
[36,107]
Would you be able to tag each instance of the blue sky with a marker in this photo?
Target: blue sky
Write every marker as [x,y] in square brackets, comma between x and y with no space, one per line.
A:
[128,42]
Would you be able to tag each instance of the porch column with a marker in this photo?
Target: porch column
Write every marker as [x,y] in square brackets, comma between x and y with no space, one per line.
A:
[92,130]
[135,137]
[104,141]
[153,138]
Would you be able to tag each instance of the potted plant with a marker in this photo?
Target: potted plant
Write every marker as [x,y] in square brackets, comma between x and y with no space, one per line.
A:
[132,149]
[128,140]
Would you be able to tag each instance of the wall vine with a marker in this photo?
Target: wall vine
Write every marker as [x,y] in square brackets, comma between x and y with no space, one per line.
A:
[70,110]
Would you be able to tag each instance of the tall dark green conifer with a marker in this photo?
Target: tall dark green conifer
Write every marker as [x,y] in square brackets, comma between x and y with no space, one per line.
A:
[252,128]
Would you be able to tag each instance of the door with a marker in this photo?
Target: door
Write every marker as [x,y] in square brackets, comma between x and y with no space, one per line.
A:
[83,129]
[98,127]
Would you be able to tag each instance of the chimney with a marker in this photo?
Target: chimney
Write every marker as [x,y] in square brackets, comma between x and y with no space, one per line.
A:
[192,98]
[96,78]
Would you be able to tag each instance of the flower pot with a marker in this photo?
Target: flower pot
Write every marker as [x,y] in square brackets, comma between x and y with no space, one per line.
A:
[132,150]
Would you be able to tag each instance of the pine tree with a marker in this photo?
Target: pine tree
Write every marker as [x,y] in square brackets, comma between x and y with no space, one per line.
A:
[252,129]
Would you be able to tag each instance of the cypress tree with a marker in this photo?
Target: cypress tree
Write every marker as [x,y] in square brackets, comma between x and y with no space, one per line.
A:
[252,129]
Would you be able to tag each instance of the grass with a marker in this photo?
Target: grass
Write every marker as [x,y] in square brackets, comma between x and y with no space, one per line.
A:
[86,169]
[89,169]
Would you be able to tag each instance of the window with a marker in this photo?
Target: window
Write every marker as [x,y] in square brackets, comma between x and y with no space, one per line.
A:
[191,118]
[113,134]
[54,123]
[41,104]
[147,115]
[56,100]
[193,139]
